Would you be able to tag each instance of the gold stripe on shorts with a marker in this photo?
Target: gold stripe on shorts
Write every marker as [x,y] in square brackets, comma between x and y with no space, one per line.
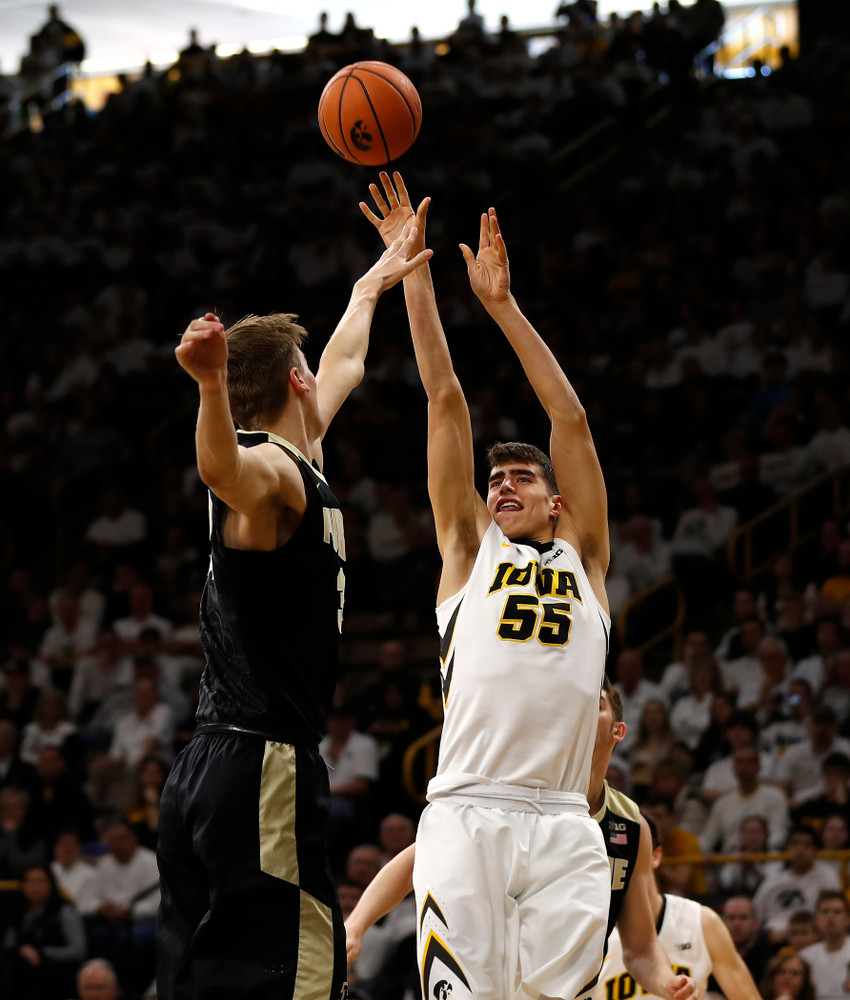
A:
[315,950]
[278,850]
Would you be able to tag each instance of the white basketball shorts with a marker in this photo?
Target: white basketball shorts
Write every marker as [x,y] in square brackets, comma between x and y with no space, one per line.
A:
[508,901]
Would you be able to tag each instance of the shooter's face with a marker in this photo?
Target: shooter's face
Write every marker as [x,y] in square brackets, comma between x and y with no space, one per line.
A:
[519,501]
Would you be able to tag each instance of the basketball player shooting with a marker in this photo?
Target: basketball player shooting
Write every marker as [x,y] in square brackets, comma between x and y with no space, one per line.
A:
[629,843]
[511,876]
[249,907]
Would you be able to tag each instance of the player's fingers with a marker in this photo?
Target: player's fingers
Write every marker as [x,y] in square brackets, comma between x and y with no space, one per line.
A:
[389,190]
[403,196]
[493,224]
[484,236]
[370,215]
[380,204]
[501,249]
[468,256]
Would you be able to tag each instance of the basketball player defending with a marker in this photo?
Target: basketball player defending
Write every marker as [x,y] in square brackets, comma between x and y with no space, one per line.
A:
[628,841]
[693,937]
[248,903]
[511,876]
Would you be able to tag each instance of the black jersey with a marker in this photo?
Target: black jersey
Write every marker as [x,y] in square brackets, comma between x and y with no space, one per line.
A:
[619,819]
[270,621]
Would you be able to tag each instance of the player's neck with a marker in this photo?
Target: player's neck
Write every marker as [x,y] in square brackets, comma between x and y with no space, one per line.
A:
[291,427]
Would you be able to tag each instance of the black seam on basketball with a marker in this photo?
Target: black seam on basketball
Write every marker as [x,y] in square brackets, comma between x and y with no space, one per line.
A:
[342,132]
[329,138]
[375,113]
[400,93]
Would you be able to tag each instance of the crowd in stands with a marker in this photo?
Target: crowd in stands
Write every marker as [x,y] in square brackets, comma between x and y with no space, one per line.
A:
[697,291]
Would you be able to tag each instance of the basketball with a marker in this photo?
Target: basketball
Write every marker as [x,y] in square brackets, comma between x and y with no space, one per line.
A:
[369,113]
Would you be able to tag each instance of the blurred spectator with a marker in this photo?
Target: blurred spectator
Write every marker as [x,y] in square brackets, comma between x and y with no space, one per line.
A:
[774,687]
[830,639]
[142,616]
[746,875]
[21,843]
[78,582]
[787,977]
[635,691]
[834,795]
[60,798]
[395,833]
[66,641]
[96,980]
[836,588]
[801,930]
[739,730]
[835,836]
[830,957]
[799,770]
[71,872]
[99,674]
[120,905]
[119,529]
[14,771]
[750,796]
[44,941]
[675,680]
[700,532]
[692,714]
[142,814]
[795,887]
[58,36]
[793,724]
[147,729]
[686,878]
[353,762]
[362,864]
[654,742]
[746,932]
[50,728]
[744,675]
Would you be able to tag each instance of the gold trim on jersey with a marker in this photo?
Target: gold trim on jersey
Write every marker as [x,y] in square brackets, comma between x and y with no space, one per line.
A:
[619,804]
[278,848]
[314,977]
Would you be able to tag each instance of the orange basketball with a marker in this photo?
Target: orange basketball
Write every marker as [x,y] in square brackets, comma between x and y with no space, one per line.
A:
[369,113]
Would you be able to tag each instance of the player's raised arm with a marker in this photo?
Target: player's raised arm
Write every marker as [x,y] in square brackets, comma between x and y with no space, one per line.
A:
[242,480]
[643,955]
[386,890]
[584,517]
[342,363]
[460,515]
[728,967]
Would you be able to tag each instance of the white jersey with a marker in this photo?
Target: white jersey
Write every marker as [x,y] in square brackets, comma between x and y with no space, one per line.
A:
[681,937]
[522,653]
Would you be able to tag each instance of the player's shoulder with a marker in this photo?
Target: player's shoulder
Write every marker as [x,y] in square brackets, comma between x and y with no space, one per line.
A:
[618,803]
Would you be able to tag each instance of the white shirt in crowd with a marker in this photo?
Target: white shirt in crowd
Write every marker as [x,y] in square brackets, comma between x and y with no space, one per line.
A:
[829,969]
[126,884]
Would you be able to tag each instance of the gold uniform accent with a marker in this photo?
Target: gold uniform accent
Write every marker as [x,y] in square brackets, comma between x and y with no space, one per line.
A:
[279,858]
[278,851]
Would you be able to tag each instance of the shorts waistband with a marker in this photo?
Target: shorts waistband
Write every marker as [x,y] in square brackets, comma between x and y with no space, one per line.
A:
[515,798]
[224,728]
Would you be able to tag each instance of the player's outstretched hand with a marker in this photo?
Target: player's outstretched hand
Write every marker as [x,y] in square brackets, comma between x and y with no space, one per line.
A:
[352,943]
[489,273]
[395,210]
[398,260]
[683,988]
[203,349]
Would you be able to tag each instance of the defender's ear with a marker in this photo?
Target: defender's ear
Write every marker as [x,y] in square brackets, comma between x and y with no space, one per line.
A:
[557,506]
[297,381]
[619,733]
